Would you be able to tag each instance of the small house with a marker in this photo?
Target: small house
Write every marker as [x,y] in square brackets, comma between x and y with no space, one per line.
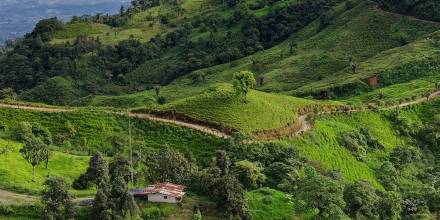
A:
[373,81]
[161,192]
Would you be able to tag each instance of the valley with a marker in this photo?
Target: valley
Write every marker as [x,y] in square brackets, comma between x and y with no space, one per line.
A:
[285,109]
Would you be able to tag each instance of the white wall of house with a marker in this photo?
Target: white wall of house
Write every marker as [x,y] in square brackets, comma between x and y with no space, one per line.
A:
[162,198]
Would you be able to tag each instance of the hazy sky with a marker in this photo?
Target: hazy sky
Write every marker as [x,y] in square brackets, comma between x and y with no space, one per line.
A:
[18,17]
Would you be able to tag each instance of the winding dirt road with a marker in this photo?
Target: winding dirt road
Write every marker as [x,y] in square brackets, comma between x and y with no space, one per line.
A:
[204,129]
[11,198]
[304,123]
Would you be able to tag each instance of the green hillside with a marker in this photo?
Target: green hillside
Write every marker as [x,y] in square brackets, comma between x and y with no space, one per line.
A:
[262,111]
[319,62]
[98,130]
[156,90]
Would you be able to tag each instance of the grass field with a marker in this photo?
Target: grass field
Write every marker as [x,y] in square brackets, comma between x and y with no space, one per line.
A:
[16,173]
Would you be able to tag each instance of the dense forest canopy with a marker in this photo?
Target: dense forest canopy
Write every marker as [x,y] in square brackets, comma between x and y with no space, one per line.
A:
[424,9]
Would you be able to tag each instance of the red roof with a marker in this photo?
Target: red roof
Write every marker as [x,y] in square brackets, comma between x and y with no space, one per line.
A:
[166,189]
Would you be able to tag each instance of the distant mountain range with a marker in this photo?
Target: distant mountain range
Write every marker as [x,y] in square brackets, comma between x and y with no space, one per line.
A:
[18,17]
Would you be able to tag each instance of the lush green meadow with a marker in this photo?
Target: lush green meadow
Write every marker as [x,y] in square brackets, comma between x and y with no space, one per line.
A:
[16,173]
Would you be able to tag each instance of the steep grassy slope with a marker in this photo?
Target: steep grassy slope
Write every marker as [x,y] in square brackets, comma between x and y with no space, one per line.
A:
[96,129]
[16,173]
[262,111]
[267,203]
[323,145]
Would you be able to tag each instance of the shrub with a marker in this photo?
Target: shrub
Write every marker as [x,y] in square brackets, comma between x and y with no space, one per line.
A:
[197,77]
[153,213]
[350,4]
[161,100]
[8,94]
[359,143]
[402,156]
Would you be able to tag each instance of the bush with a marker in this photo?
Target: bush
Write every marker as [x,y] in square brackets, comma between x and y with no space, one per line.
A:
[8,94]
[83,182]
[359,143]
[57,90]
[197,77]
[153,213]
[161,100]
[402,156]
[350,4]
[22,131]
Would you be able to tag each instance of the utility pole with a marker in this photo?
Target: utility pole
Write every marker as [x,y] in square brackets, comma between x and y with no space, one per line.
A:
[130,146]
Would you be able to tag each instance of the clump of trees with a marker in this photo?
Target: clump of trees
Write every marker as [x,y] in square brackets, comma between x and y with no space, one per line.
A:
[360,143]
[113,199]
[323,193]
[426,10]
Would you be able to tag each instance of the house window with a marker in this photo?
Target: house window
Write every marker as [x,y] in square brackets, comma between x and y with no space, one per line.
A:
[165,197]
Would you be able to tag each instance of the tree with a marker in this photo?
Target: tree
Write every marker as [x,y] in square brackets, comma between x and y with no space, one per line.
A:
[390,205]
[229,195]
[122,202]
[197,77]
[56,199]
[362,200]
[157,90]
[96,173]
[402,156]
[101,204]
[292,46]
[22,131]
[118,142]
[169,165]
[250,174]
[47,154]
[282,176]
[121,10]
[324,194]
[120,167]
[34,152]
[222,161]
[388,175]
[243,82]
